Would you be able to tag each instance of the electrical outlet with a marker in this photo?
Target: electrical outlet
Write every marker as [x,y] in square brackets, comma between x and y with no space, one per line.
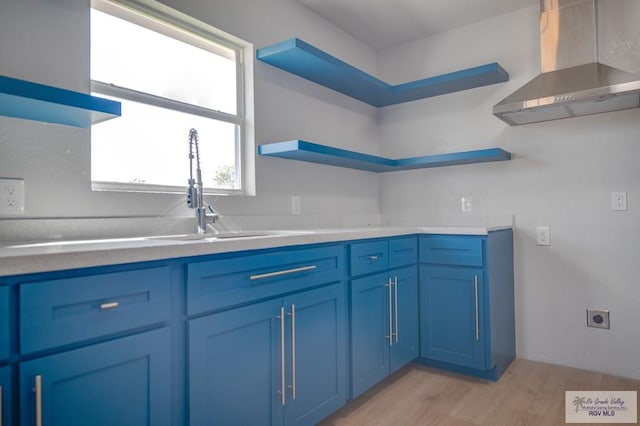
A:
[11,196]
[619,201]
[466,204]
[598,318]
[543,236]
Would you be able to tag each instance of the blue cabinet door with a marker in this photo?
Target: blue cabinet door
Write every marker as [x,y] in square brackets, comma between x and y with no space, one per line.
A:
[235,372]
[371,313]
[5,396]
[405,345]
[451,312]
[125,382]
[316,354]
[4,323]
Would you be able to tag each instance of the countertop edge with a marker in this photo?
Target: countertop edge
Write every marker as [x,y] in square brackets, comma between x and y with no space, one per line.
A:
[65,257]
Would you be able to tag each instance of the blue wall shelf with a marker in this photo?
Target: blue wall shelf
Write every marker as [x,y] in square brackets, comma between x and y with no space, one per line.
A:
[301,58]
[321,154]
[34,101]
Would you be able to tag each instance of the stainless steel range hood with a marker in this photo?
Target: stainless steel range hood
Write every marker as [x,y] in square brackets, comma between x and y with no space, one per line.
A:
[573,82]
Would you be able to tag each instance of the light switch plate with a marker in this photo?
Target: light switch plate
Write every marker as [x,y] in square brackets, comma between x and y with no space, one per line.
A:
[11,196]
[296,205]
[466,204]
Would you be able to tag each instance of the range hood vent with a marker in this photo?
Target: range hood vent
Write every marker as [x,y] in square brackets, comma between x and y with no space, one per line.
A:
[573,82]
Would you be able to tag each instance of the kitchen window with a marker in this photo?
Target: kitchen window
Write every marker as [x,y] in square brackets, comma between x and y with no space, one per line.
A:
[171,73]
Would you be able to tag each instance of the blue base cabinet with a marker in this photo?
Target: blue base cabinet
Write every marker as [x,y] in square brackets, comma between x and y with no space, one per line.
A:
[5,396]
[264,337]
[276,362]
[466,303]
[384,327]
[384,310]
[124,382]
[4,323]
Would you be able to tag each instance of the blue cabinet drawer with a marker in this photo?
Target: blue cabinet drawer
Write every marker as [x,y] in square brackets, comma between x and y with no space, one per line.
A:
[369,257]
[403,252]
[461,250]
[63,311]
[4,323]
[218,284]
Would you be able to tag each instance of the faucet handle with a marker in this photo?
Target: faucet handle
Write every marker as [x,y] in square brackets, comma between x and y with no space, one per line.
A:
[212,215]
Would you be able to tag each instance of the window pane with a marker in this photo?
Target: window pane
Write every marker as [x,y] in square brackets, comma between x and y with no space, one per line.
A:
[150,145]
[134,57]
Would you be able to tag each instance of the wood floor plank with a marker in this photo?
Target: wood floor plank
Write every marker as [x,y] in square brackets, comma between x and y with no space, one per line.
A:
[529,393]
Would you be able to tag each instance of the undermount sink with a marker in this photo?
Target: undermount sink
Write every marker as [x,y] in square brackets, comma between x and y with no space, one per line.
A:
[226,235]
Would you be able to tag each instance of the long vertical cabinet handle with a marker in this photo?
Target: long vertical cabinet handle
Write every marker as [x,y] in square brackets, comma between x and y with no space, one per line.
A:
[38,390]
[282,377]
[0,405]
[293,351]
[475,287]
[395,283]
[389,285]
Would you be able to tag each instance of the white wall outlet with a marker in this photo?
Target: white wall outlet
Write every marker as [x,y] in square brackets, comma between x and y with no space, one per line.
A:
[11,196]
[296,205]
[466,204]
[619,201]
[598,318]
[543,236]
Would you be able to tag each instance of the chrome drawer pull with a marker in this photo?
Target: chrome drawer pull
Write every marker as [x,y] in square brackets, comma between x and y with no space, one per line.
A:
[395,284]
[374,257]
[283,272]
[475,287]
[38,390]
[389,285]
[109,305]
[293,351]
[282,365]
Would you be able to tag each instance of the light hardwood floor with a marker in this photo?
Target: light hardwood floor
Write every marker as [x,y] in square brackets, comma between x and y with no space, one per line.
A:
[529,393]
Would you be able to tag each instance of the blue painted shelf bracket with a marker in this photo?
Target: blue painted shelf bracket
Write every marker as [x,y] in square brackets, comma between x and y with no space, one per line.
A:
[322,154]
[302,59]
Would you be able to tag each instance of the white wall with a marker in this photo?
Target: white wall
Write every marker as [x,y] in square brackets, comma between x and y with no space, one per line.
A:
[47,41]
[562,175]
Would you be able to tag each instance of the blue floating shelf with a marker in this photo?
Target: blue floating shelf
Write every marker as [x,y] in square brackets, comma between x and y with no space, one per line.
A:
[321,154]
[301,58]
[34,101]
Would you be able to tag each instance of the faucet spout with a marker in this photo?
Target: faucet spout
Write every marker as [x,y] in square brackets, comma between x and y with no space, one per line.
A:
[195,192]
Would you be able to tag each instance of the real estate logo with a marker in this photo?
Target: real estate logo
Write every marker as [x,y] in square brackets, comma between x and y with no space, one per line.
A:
[601,407]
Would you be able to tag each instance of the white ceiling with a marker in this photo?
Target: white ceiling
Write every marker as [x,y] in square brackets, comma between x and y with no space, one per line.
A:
[386,23]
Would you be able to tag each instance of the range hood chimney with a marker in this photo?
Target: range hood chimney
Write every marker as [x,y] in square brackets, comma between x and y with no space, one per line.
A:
[573,82]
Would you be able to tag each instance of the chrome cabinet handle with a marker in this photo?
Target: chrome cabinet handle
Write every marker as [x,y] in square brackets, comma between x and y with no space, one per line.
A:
[283,272]
[38,390]
[389,285]
[109,305]
[475,287]
[395,283]
[374,257]
[293,351]
[282,375]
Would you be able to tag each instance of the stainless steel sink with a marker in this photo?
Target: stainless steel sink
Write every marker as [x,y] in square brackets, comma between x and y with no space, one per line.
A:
[226,235]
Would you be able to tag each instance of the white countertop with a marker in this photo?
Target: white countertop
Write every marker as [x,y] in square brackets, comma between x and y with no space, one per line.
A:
[24,258]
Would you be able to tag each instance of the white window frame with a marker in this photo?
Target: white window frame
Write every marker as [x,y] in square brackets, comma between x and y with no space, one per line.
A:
[179,23]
